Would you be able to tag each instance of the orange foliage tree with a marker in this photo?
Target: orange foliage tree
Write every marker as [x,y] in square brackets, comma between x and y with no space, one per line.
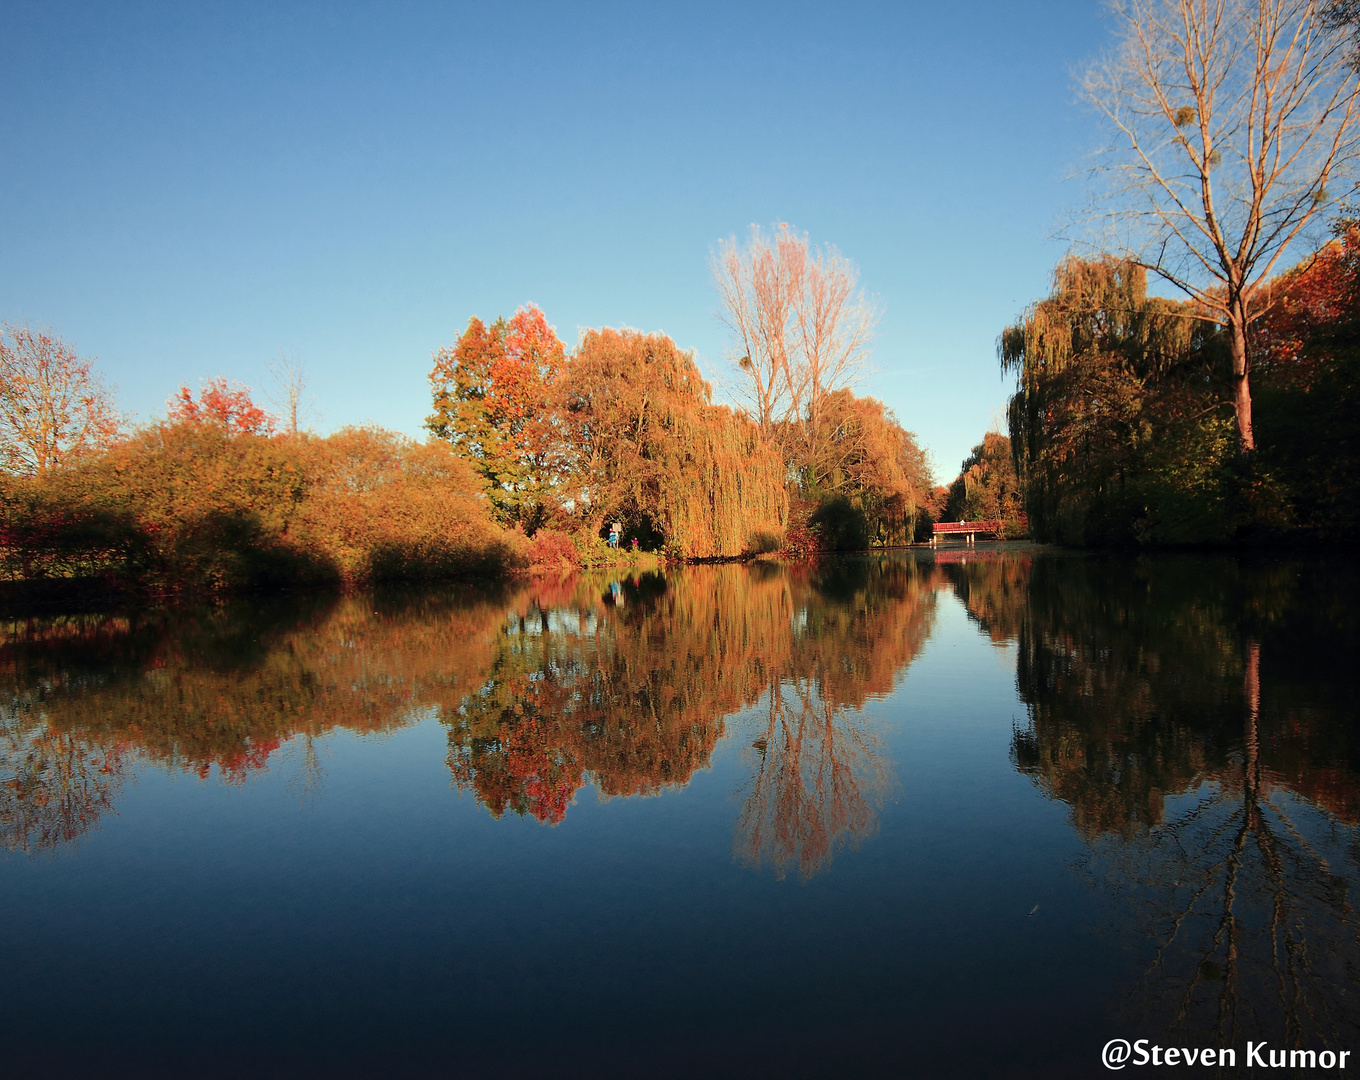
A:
[227,405]
[644,442]
[53,406]
[204,506]
[863,453]
[987,488]
[380,506]
[491,402]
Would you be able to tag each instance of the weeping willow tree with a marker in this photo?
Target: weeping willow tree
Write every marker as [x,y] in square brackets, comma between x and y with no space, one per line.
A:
[1119,426]
[649,447]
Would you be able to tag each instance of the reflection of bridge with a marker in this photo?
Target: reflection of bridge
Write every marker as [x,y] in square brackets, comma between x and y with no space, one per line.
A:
[965,530]
[963,556]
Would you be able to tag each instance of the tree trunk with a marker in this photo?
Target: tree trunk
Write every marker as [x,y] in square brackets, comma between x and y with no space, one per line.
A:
[1251,758]
[1237,338]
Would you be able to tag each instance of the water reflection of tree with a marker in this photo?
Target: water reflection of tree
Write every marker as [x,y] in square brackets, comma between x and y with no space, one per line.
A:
[213,689]
[1256,935]
[819,773]
[1195,715]
[54,787]
[631,697]
[543,688]
[817,782]
[635,697]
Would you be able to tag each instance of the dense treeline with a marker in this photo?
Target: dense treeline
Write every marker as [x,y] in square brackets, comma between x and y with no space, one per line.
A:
[987,488]
[537,453]
[1124,423]
[623,429]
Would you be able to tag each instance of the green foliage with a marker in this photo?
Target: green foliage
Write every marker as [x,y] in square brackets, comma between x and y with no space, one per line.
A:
[1123,430]
[840,524]
[1118,423]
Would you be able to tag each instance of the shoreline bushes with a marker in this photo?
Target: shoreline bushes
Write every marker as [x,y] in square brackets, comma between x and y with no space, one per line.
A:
[193,507]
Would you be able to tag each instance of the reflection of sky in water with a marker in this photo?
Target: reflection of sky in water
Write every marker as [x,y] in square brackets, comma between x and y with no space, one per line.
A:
[348,901]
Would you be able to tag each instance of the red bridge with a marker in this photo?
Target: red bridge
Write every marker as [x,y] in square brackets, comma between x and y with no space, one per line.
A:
[965,530]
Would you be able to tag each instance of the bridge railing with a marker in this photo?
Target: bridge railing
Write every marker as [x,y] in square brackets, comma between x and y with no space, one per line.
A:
[967,529]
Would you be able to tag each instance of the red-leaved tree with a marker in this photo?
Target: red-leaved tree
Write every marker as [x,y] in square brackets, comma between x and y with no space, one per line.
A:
[491,401]
[1312,302]
[225,404]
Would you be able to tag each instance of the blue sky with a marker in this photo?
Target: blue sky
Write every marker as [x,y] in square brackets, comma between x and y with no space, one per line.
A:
[190,189]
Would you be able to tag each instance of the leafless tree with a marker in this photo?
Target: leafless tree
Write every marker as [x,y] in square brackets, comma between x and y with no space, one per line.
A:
[836,323]
[758,286]
[802,325]
[819,780]
[290,383]
[1230,123]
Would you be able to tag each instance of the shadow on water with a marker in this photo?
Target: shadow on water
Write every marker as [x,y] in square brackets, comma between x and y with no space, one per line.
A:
[1197,715]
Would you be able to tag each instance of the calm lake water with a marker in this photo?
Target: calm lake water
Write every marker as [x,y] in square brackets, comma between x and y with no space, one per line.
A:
[969,815]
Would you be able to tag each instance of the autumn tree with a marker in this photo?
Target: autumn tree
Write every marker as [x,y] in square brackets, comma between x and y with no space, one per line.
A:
[1230,123]
[861,452]
[53,405]
[1312,319]
[645,442]
[801,324]
[1306,355]
[222,404]
[987,488]
[491,402]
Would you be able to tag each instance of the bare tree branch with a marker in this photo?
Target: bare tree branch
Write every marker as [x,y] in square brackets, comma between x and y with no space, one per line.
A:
[1229,120]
